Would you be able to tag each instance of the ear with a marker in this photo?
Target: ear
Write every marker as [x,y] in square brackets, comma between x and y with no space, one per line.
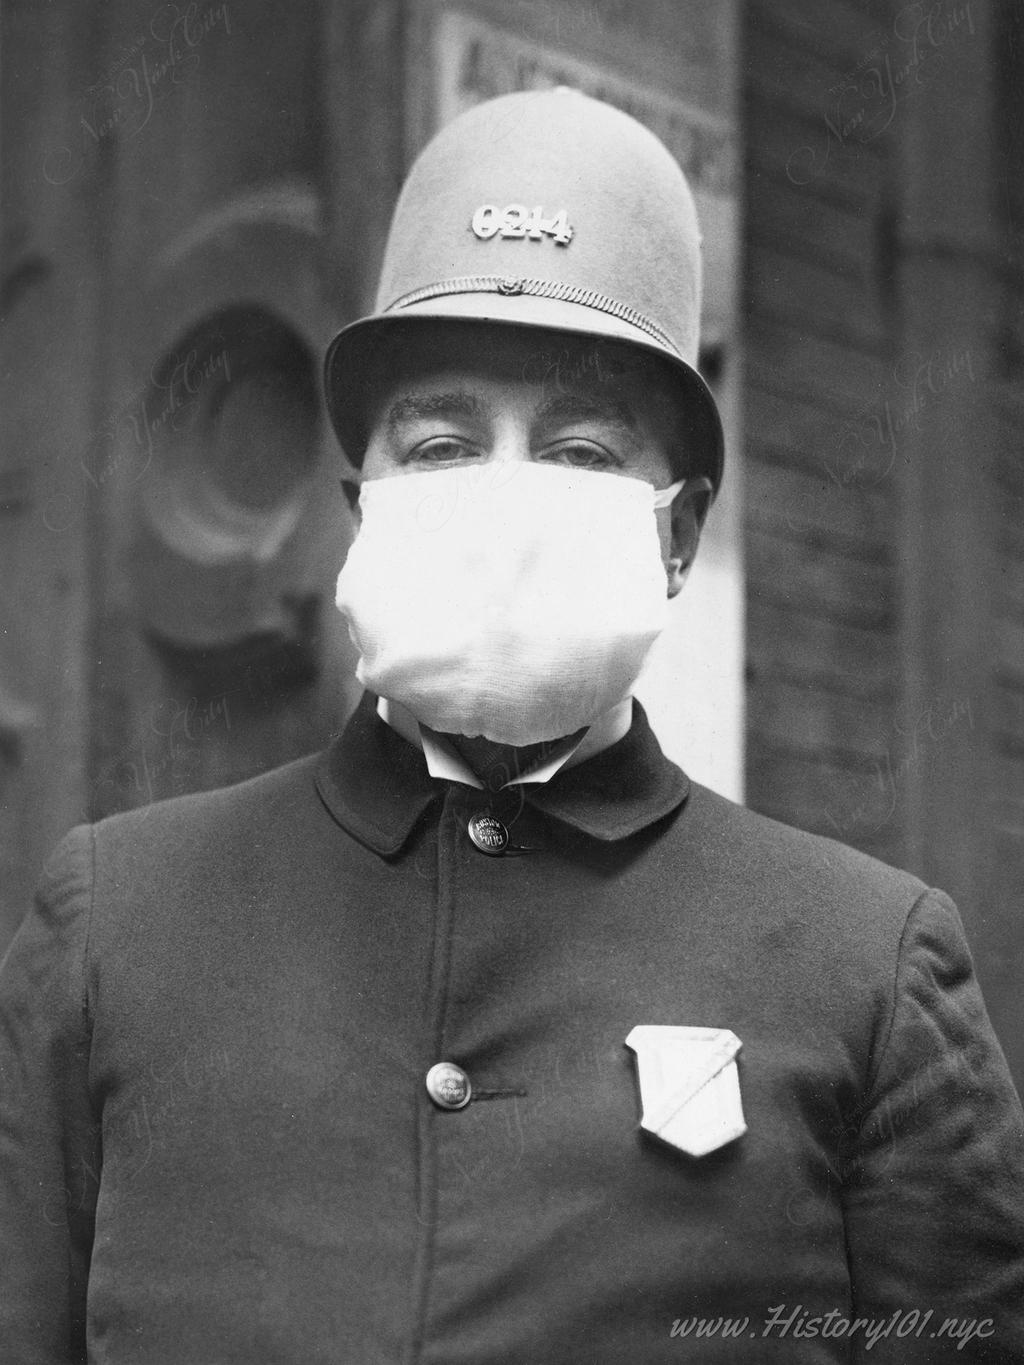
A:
[688,510]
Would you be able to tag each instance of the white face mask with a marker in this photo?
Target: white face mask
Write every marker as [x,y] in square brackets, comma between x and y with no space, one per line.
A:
[517,601]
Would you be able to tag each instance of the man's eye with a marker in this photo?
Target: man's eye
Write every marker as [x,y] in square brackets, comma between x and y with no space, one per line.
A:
[442,450]
[580,455]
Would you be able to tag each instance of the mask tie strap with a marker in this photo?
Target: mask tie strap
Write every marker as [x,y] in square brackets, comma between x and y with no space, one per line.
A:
[663,497]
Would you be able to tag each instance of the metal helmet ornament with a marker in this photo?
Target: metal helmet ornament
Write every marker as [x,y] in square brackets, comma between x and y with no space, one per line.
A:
[549,210]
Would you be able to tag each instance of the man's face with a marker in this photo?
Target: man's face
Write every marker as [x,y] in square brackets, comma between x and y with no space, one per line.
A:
[471,397]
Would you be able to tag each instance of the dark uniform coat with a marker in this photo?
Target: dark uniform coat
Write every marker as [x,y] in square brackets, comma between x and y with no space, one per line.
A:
[216,1144]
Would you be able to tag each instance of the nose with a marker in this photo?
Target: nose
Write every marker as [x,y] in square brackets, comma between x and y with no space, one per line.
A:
[510,440]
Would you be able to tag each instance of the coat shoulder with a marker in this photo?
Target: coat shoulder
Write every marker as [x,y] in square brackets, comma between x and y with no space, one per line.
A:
[215,821]
[784,866]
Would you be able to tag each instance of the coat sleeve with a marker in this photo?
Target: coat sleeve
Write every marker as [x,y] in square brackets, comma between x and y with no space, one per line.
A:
[934,1171]
[49,1144]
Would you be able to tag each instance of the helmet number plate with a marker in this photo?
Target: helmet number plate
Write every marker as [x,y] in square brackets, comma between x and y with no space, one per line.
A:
[516,220]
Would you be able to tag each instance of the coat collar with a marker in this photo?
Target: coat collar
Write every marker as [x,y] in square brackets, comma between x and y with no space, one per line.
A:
[376,784]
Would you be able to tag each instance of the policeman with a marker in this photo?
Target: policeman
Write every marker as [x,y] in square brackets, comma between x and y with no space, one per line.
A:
[487,1036]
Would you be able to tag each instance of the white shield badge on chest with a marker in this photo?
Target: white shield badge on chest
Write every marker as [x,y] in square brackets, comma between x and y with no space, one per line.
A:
[689,1085]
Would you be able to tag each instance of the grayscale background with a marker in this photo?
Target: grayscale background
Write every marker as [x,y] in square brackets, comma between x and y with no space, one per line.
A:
[194,197]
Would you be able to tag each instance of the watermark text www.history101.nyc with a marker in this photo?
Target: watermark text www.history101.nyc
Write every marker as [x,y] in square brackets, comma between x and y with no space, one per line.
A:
[798,1323]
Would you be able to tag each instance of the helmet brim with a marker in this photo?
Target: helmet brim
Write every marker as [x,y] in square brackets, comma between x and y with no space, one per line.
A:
[354,355]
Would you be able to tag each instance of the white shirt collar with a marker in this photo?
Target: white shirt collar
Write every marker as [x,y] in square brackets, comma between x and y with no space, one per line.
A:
[445,762]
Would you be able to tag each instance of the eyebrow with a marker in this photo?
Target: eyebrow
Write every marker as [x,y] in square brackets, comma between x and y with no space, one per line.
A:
[562,407]
[572,407]
[414,407]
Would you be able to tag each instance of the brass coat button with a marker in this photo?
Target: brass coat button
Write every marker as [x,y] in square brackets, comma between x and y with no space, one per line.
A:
[448,1086]
[488,834]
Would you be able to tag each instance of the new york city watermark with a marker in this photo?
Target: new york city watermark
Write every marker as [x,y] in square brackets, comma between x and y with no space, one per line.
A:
[865,101]
[799,1323]
[152,63]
